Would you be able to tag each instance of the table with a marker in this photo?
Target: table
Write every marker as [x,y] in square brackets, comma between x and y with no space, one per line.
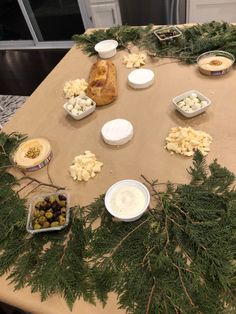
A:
[151,114]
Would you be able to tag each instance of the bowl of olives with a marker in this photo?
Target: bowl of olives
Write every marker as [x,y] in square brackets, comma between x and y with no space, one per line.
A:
[48,212]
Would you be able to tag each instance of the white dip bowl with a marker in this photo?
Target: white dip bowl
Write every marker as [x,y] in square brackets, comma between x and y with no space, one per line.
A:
[106,48]
[127,200]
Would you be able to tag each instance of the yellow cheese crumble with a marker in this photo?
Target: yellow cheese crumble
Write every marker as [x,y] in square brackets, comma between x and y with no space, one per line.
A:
[185,141]
[85,166]
[75,87]
[134,60]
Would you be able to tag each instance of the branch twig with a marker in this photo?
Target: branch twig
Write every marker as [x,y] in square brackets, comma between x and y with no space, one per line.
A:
[131,232]
[150,298]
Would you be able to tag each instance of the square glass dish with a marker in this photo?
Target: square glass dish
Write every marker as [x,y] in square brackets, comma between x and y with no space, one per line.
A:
[167,33]
[79,107]
[188,106]
[48,212]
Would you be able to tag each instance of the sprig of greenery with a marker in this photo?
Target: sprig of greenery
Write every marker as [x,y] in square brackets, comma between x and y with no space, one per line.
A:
[178,258]
[194,41]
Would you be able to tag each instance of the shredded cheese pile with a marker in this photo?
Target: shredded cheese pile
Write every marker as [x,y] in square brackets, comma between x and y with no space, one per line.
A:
[75,87]
[185,141]
[85,166]
[134,60]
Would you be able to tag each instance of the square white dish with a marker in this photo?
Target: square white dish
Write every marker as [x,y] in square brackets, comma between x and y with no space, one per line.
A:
[183,96]
[85,113]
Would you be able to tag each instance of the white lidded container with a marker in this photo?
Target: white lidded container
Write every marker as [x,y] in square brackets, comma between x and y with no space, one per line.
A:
[117,132]
[127,200]
[106,48]
[188,94]
[141,78]
[79,116]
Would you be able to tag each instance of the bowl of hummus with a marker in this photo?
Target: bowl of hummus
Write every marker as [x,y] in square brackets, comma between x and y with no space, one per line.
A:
[32,154]
[127,200]
[215,62]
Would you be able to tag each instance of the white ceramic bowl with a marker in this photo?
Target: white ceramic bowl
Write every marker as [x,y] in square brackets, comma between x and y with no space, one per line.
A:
[106,48]
[85,113]
[122,184]
[141,78]
[177,99]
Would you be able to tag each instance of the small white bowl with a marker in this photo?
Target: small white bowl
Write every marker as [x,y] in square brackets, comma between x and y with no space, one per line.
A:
[106,48]
[177,99]
[141,78]
[120,185]
[85,113]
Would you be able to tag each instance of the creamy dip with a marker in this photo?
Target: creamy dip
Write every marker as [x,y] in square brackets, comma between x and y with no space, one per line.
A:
[215,63]
[127,201]
[105,47]
[22,155]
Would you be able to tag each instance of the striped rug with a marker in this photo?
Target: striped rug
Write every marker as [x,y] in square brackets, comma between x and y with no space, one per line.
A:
[8,106]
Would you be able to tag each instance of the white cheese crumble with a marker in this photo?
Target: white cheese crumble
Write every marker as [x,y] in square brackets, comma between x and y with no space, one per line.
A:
[74,87]
[85,166]
[185,141]
[134,60]
[78,105]
[192,103]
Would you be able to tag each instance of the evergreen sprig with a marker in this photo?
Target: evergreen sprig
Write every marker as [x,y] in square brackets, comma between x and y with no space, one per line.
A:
[178,258]
[194,41]
[123,34]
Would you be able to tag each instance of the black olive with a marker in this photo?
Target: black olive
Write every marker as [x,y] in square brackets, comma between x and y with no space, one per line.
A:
[56,214]
[54,205]
[62,197]
[47,199]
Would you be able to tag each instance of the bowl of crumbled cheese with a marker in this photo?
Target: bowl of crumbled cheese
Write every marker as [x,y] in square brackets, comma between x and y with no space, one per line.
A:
[80,106]
[127,200]
[191,103]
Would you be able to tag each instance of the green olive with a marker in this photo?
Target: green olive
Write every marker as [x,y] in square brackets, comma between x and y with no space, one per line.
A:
[62,221]
[48,214]
[55,224]
[62,203]
[38,204]
[63,210]
[37,226]
[36,213]
[42,219]
[53,198]
[46,224]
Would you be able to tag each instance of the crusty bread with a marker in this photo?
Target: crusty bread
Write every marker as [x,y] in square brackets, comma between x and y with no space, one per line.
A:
[102,86]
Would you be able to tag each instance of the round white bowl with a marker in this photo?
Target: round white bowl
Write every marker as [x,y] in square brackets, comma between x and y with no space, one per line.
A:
[117,186]
[106,48]
[141,78]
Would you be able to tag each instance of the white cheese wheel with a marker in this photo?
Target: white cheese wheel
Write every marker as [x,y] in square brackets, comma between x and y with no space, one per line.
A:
[117,132]
[141,78]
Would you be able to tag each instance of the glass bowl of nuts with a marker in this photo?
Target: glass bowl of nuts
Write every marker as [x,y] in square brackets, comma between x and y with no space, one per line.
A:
[48,212]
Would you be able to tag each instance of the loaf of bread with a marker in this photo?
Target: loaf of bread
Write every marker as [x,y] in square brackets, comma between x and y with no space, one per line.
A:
[102,86]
